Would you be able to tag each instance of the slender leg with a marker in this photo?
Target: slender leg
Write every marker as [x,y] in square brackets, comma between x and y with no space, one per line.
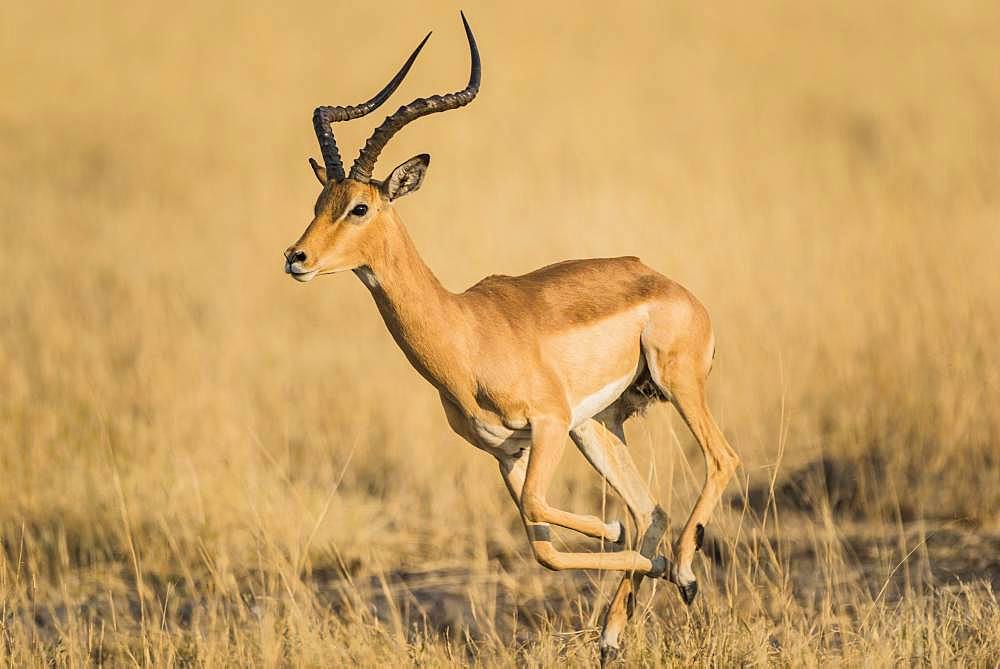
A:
[720,463]
[602,442]
[548,438]
[513,469]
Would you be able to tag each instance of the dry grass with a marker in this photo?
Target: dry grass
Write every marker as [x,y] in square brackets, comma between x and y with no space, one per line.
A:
[204,463]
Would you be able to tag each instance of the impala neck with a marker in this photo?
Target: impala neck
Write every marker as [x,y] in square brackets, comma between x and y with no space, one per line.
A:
[422,316]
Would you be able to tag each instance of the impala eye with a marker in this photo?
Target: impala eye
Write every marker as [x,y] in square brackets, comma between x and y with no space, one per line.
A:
[359,210]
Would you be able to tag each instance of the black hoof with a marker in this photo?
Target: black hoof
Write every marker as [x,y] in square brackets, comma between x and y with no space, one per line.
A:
[699,536]
[688,591]
[659,569]
[608,655]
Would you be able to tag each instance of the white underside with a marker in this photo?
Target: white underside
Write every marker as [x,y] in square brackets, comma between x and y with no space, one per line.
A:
[493,436]
[596,402]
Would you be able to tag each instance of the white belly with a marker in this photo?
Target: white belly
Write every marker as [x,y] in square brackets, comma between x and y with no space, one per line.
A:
[598,401]
[489,435]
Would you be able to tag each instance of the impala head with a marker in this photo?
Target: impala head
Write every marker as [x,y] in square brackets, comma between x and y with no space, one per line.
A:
[350,211]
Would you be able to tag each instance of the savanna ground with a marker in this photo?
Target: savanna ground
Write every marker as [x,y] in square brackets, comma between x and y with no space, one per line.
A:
[203,463]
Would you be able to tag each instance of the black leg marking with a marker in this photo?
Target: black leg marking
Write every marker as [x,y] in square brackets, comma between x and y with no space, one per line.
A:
[539,533]
[651,538]
[699,536]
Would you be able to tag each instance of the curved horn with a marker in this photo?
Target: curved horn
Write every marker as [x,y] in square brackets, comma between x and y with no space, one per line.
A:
[365,163]
[324,116]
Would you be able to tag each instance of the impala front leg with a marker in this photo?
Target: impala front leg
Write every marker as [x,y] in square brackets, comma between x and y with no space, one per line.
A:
[548,439]
[513,469]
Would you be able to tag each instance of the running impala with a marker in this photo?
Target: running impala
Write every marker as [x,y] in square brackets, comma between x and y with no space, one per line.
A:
[575,348]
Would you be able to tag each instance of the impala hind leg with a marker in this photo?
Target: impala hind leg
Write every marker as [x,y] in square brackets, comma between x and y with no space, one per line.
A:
[602,442]
[721,462]
[548,439]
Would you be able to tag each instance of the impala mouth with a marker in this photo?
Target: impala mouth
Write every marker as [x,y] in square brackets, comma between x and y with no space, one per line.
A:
[299,274]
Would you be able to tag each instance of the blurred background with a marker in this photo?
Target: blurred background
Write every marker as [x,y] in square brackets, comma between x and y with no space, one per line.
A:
[203,461]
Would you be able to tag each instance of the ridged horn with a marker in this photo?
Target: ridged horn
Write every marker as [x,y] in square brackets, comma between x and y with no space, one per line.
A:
[365,163]
[324,116]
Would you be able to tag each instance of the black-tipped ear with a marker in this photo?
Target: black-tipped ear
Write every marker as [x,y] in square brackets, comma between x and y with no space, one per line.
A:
[319,171]
[407,177]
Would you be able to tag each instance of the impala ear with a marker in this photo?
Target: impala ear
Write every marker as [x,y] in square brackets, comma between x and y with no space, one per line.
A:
[407,177]
[319,171]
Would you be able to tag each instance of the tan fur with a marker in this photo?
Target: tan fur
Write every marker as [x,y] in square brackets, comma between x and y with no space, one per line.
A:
[520,362]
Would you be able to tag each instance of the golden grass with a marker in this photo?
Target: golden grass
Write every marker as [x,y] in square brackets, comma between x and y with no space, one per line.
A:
[204,463]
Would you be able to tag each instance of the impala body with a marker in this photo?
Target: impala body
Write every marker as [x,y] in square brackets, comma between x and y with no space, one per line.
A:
[520,363]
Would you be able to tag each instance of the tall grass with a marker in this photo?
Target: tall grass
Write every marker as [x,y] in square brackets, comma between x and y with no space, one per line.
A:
[203,463]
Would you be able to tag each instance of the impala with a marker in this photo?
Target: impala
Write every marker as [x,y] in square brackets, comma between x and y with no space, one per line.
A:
[575,348]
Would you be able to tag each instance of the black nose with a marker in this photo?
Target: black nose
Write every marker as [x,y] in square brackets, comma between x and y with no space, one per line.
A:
[297,256]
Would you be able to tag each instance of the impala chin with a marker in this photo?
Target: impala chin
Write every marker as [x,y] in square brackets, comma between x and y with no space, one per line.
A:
[303,276]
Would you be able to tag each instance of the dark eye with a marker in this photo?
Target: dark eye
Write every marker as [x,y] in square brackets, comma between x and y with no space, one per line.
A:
[359,210]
